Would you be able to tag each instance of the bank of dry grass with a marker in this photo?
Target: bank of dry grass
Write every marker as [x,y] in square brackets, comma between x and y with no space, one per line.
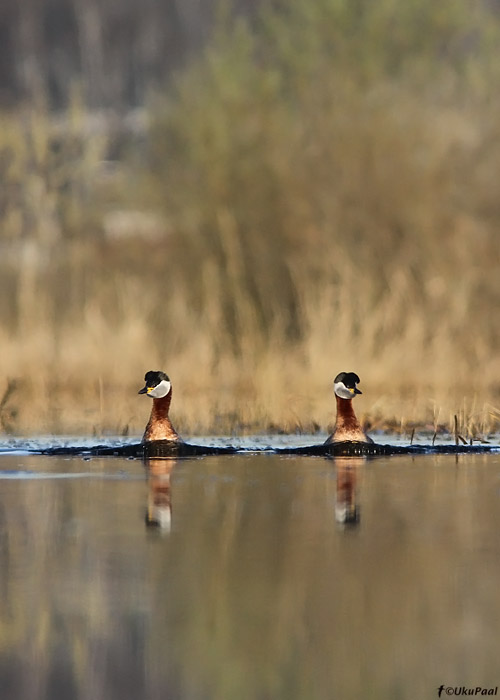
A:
[284,216]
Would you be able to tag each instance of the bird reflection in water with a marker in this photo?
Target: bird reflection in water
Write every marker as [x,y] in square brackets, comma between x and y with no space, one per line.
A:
[159,510]
[159,506]
[346,506]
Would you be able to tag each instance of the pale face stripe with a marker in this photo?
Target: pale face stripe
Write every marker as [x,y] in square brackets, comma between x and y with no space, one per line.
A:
[160,389]
[342,391]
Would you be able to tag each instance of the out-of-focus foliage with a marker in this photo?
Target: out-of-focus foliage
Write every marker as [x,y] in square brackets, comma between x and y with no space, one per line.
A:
[316,191]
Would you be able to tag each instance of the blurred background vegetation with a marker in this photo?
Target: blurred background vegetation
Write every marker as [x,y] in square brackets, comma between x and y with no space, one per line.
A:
[251,196]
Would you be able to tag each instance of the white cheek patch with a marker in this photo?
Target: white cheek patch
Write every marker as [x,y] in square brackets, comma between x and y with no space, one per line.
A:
[342,391]
[160,389]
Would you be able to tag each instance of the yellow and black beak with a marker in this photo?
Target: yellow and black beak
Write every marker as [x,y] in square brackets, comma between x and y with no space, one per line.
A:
[145,390]
[355,391]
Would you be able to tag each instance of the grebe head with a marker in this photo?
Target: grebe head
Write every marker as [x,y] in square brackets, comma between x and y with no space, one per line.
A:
[157,384]
[344,385]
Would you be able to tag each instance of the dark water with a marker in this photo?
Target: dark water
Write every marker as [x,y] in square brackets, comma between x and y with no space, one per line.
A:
[263,577]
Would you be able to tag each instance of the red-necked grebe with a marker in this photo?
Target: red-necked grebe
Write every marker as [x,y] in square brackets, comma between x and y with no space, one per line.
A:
[347,426]
[159,427]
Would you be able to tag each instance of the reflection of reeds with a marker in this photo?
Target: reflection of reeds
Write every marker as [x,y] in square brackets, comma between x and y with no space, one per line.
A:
[282,224]
[254,577]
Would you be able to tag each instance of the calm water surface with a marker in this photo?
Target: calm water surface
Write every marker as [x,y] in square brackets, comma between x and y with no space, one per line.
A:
[248,577]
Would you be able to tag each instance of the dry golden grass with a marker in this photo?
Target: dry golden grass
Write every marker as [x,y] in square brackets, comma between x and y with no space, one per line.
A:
[92,389]
[276,224]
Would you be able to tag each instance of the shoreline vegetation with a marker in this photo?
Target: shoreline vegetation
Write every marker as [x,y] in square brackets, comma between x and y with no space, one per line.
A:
[103,410]
[317,191]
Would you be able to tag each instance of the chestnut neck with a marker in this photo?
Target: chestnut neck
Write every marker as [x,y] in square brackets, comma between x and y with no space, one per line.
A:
[346,418]
[159,426]
[347,426]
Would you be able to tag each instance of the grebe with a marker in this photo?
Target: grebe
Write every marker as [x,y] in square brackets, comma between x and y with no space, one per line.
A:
[159,427]
[347,426]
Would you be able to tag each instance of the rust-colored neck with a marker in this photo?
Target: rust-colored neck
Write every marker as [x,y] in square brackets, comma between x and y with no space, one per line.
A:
[159,426]
[346,418]
[347,426]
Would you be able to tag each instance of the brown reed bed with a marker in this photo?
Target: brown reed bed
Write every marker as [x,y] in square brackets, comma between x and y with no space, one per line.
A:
[276,220]
[230,402]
